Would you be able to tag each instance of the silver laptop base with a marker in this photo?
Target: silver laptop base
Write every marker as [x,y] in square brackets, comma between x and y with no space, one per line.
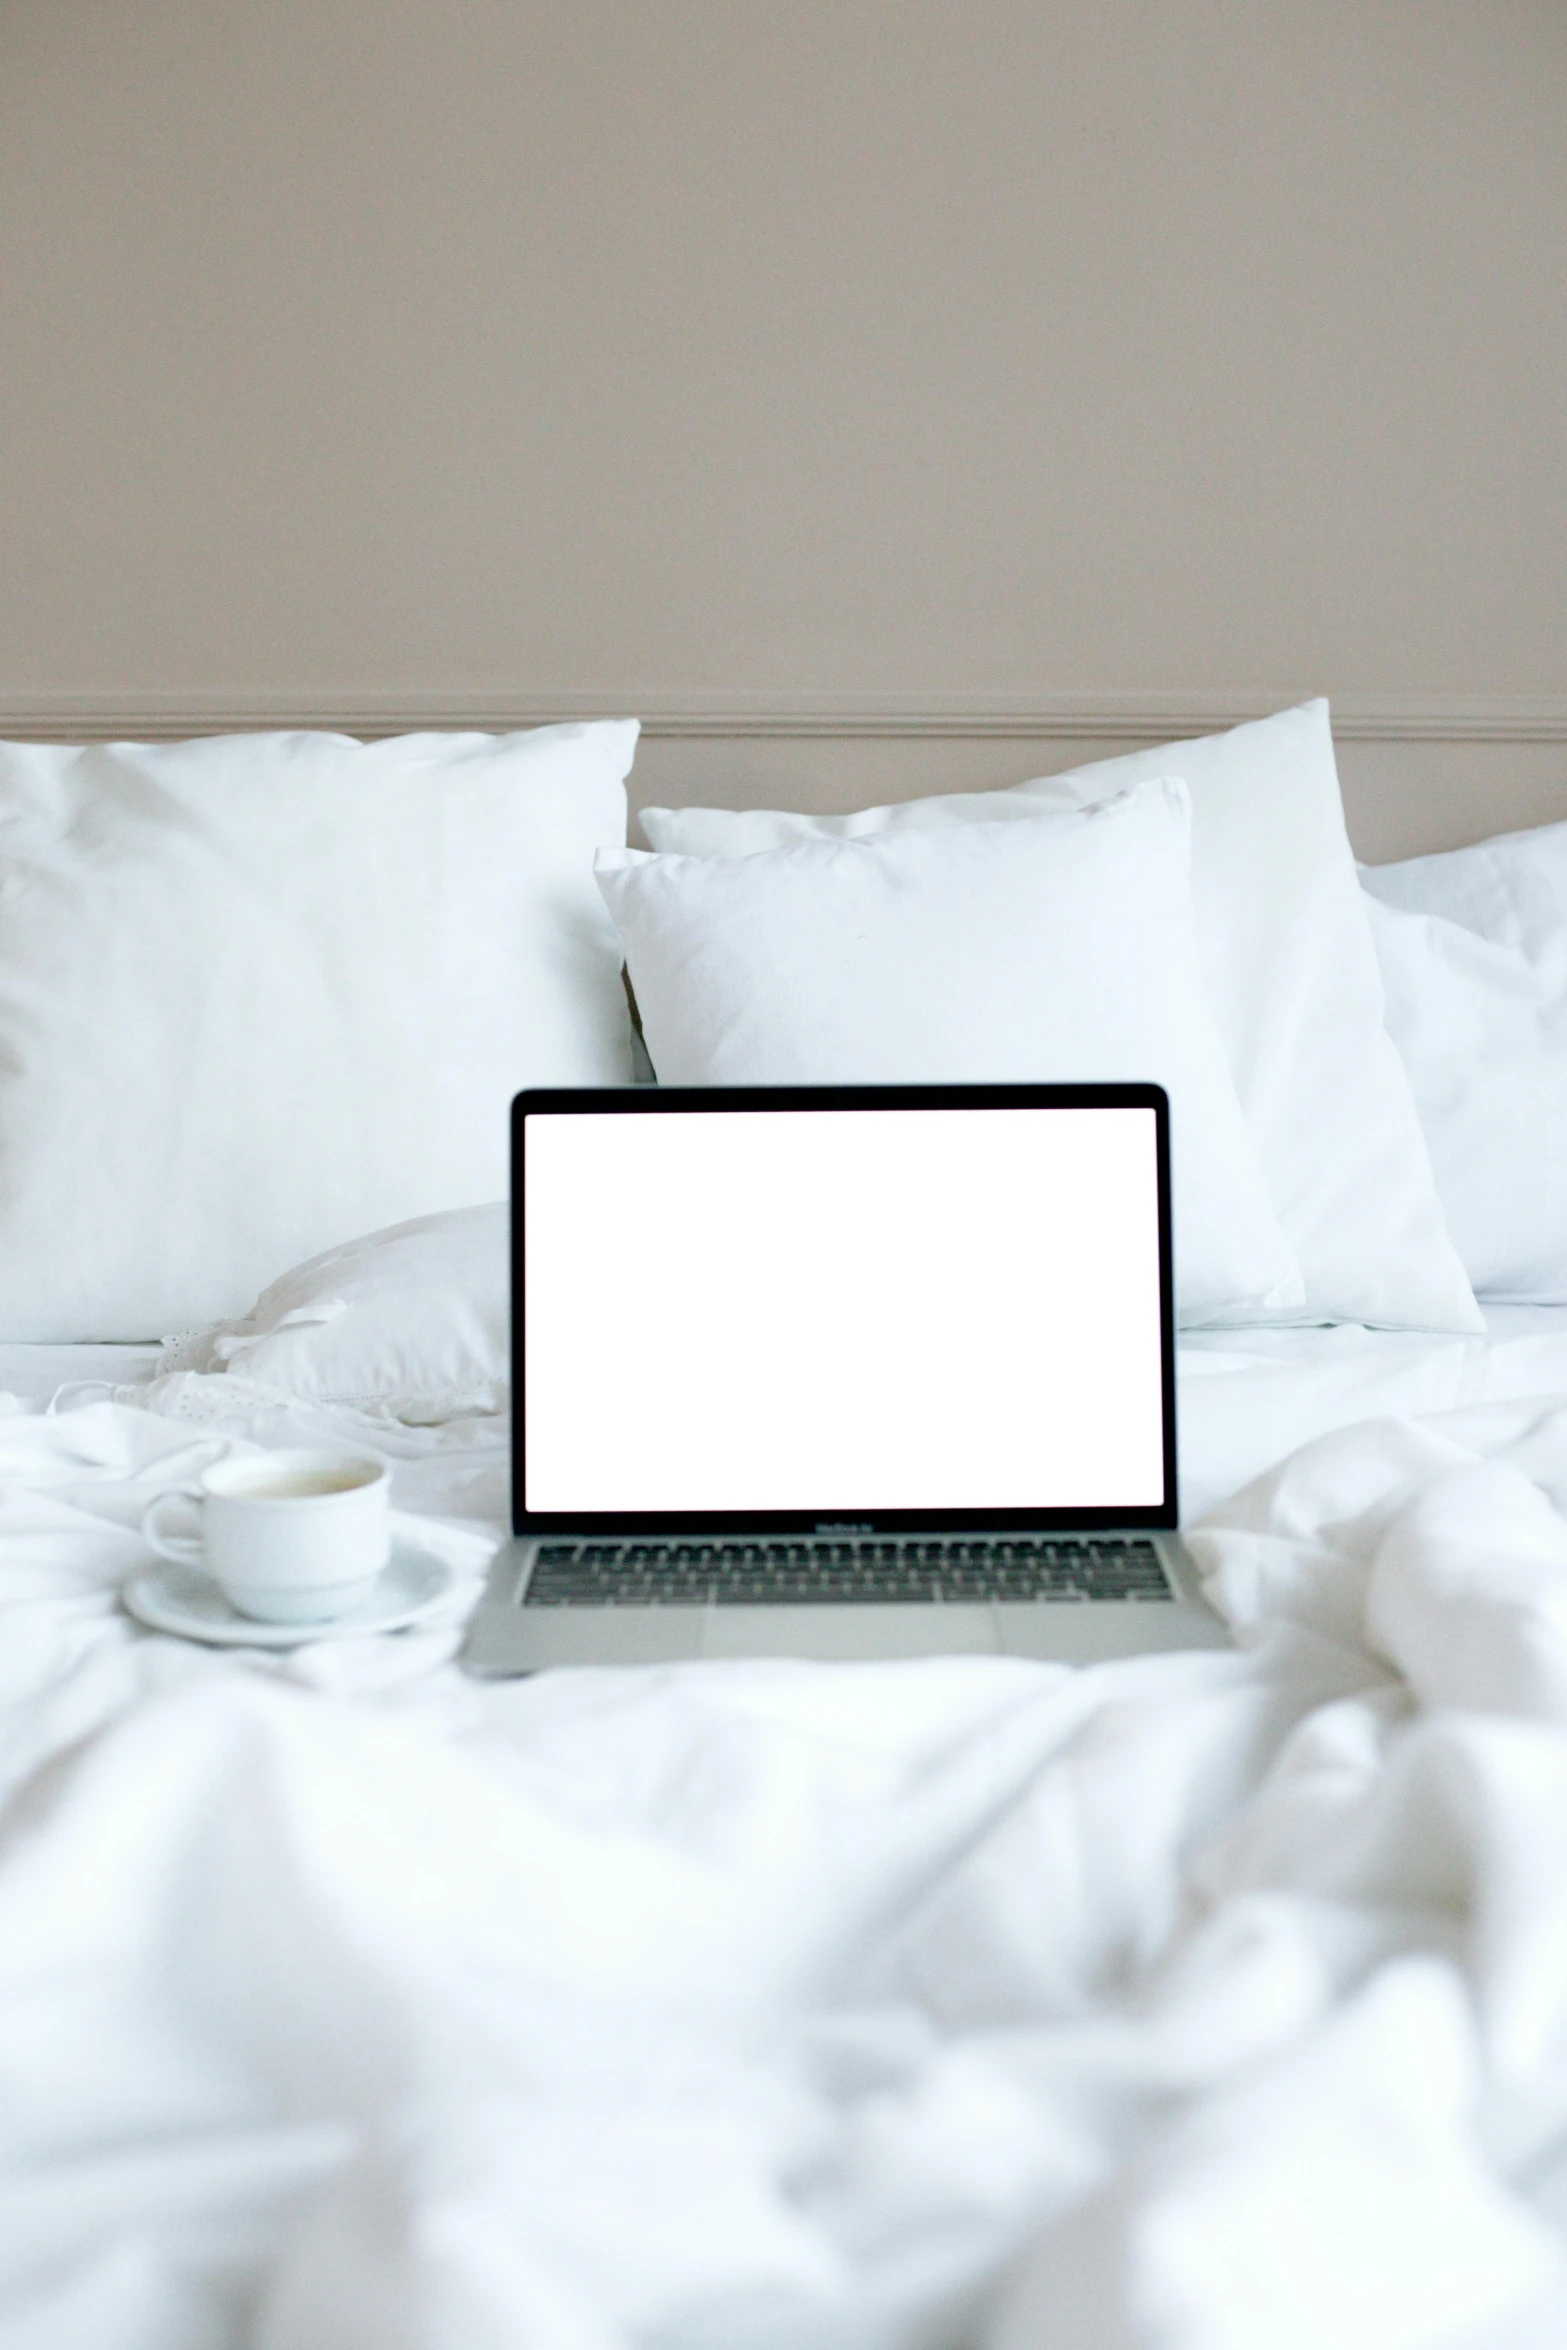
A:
[508,1637]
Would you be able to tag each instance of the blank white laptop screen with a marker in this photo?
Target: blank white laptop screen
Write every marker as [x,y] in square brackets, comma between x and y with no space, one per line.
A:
[842,1311]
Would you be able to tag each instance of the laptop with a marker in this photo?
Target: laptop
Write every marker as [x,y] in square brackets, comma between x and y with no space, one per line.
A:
[841,1372]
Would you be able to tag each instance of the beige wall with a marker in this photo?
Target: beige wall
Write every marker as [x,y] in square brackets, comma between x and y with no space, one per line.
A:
[373,360]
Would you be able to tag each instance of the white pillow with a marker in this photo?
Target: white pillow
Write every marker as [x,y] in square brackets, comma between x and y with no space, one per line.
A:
[261,993]
[413,1322]
[1511,889]
[1473,948]
[1291,977]
[1060,949]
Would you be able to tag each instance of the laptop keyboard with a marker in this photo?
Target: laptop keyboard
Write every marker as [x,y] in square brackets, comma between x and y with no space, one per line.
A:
[963,1568]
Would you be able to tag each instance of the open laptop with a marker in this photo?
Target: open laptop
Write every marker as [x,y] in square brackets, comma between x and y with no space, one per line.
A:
[841,1372]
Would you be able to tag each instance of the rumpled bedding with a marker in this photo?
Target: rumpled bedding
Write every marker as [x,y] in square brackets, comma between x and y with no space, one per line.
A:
[1211,2002]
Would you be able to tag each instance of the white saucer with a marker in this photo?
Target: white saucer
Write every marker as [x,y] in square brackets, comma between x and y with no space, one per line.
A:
[186,1600]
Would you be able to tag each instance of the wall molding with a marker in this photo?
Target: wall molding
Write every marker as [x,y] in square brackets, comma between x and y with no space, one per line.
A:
[1087,717]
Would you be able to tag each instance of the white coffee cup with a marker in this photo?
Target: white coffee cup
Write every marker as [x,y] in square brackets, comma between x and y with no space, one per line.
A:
[290,1537]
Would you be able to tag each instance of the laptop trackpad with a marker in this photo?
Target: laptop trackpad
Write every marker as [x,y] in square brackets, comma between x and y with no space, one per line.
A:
[845,1631]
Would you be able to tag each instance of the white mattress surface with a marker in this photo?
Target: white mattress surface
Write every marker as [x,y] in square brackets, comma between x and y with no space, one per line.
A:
[1522,1321]
[37,1373]
[1247,1397]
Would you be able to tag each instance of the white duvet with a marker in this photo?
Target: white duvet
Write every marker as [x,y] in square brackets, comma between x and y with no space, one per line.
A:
[1206,2003]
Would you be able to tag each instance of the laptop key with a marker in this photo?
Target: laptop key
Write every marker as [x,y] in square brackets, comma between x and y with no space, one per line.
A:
[879,1570]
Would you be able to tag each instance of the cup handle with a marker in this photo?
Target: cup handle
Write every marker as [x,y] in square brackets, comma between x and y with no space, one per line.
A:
[187,1550]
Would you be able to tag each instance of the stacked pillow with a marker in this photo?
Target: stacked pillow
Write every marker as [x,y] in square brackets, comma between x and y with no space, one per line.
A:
[981,952]
[261,993]
[1473,949]
[411,1324]
[1287,973]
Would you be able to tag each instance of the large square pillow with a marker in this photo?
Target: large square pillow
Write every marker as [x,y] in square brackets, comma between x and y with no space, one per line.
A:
[1058,950]
[1473,949]
[261,993]
[1290,975]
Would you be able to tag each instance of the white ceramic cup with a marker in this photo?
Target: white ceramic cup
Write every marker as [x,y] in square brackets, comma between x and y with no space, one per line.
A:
[290,1537]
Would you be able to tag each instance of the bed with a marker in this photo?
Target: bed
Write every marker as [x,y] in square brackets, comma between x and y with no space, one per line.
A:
[1207,2002]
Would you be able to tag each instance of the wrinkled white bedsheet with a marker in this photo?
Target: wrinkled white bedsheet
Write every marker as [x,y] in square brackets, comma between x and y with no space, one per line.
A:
[1198,2003]
[1248,1397]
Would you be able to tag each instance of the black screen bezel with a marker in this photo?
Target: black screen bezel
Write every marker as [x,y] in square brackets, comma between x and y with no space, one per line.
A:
[656,1101]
